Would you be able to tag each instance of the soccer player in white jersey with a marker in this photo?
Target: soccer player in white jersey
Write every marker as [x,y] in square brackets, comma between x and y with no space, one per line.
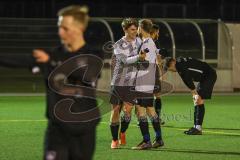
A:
[145,85]
[124,74]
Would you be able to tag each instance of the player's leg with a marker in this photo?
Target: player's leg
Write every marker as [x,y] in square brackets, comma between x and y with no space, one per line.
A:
[156,91]
[114,125]
[136,114]
[158,142]
[157,95]
[82,146]
[56,143]
[204,90]
[144,128]
[125,121]
[199,112]
[115,117]
[128,100]
[158,106]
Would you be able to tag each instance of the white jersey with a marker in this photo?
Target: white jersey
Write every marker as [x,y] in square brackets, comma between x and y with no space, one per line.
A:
[146,78]
[125,69]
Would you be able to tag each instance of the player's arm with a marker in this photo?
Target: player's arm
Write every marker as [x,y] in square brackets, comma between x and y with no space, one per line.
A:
[145,49]
[41,56]
[17,61]
[159,60]
[189,83]
[142,54]
[185,76]
[25,61]
[132,59]
[194,92]
[125,59]
[161,54]
[160,67]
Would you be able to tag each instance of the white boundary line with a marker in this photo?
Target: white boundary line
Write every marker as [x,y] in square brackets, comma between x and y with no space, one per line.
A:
[132,125]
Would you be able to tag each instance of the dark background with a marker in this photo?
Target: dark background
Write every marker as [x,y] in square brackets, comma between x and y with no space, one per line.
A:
[29,24]
[227,10]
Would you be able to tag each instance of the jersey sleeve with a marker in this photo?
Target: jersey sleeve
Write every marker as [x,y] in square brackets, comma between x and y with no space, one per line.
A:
[119,53]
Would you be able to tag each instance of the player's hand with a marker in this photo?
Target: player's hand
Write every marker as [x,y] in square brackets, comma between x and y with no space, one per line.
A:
[194,92]
[142,56]
[40,55]
[159,60]
[197,100]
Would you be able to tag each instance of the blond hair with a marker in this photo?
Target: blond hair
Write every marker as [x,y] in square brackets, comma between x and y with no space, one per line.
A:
[79,13]
[146,25]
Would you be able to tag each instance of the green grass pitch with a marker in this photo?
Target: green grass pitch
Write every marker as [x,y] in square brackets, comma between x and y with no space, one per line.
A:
[22,126]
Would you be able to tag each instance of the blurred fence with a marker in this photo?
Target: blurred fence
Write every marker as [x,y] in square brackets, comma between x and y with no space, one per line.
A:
[20,36]
[207,40]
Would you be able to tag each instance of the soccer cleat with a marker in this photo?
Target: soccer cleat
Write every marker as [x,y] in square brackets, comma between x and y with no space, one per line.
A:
[193,131]
[157,143]
[143,146]
[122,140]
[114,144]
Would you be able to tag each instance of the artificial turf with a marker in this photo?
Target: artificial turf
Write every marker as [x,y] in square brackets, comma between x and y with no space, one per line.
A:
[22,127]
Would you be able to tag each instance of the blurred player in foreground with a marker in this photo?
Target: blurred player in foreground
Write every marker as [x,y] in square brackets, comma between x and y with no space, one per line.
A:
[71,111]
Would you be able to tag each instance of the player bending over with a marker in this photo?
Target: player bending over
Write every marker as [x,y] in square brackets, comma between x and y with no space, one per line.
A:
[191,70]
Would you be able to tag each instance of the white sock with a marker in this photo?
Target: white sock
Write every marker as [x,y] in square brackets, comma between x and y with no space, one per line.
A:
[199,127]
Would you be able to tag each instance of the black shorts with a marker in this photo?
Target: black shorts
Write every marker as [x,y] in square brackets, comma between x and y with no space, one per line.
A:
[63,145]
[205,87]
[120,94]
[145,102]
[157,86]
